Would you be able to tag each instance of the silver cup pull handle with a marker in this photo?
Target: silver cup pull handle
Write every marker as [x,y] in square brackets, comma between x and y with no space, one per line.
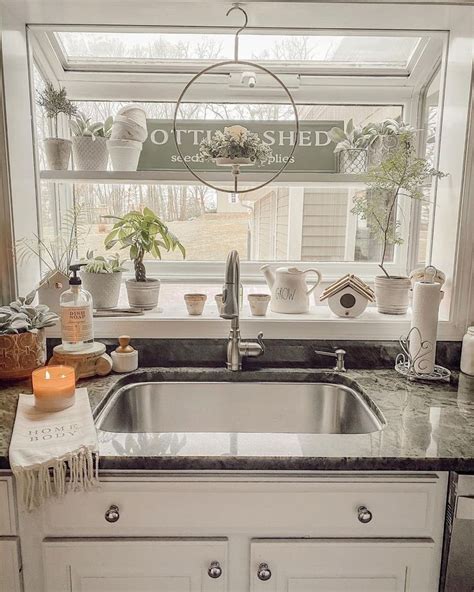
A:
[264,573]
[112,514]
[215,570]
[364,515]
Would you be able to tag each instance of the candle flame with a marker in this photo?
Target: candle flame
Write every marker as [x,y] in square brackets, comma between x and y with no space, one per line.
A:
[47,375]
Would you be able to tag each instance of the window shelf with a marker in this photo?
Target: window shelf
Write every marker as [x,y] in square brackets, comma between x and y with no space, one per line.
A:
[184,177]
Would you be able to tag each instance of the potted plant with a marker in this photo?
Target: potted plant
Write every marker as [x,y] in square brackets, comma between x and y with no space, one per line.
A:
[351,145]
[54,102]
[22,337]
[56,255]
[102,277]
[383,138]
[89,143]
[236,145]
[142,233]
[402,174]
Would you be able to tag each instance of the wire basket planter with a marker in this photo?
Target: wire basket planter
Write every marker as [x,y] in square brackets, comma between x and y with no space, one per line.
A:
[353,161]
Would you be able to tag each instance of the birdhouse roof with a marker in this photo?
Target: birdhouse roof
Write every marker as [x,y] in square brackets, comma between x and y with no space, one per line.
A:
[349,281]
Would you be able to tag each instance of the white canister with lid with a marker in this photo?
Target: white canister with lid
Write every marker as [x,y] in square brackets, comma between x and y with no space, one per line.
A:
[467,353]
[124,358]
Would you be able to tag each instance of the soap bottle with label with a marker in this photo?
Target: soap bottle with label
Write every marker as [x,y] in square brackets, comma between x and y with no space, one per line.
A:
[77,330]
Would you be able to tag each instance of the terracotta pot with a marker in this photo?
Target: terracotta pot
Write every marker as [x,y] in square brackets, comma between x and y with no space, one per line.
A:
[20,354]
[391,294]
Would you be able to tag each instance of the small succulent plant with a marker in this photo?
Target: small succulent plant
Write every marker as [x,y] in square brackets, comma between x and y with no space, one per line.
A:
[82,126]
[99,264]
[21,316]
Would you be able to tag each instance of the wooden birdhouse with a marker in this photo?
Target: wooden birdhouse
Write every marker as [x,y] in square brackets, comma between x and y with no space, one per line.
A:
[348,296]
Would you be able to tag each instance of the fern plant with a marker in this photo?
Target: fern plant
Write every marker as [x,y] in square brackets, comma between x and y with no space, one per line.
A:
[401,174]
[142,233]
[55,102]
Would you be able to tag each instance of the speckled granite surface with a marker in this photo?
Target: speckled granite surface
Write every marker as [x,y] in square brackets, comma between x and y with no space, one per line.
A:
[429,427]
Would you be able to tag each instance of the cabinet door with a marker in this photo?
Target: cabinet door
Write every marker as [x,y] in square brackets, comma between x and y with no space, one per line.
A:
[332,565]
[127,565]
[10,576]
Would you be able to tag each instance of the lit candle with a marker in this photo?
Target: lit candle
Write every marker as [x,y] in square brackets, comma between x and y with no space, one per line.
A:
[54,387]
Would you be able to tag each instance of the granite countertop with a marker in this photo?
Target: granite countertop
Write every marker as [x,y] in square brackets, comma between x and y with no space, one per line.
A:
[430,426]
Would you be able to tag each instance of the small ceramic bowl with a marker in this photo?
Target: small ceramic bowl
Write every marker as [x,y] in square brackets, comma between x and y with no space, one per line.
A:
[195,303]
[259,304]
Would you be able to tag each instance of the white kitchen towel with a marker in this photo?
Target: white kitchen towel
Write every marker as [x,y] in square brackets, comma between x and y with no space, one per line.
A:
[52,453]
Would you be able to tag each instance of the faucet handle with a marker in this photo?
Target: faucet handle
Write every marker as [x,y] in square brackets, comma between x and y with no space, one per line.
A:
[261,342]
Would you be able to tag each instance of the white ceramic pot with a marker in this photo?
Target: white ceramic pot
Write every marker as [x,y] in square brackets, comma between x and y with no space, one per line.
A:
[143,294]
[136,114]
[58,153]
[382,148]
[195,303]
[103,287]
[89,154]
[126,129]
[259,304]
[124,154]
[290,294]
[391,294]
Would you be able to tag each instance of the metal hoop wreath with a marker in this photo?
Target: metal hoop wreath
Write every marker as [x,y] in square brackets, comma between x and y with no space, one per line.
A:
[280,82]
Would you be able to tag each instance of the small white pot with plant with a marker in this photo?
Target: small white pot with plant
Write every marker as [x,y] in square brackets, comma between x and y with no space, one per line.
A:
[22,337]
[383,138]
[351,146]
[401,174]
[55,255]
[236,145]
[54,102]
[142,233]
[102,278]
[89,143]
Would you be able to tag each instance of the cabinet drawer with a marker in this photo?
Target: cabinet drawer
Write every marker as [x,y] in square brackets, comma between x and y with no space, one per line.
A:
[296,508]
[7,507]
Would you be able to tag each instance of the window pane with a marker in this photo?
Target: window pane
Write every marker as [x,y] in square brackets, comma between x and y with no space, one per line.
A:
[316,49]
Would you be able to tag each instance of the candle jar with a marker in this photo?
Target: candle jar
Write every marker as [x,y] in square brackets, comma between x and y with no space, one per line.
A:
[54,387]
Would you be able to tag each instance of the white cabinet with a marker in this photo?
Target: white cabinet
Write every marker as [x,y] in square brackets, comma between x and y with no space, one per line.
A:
[10,566]
[146,565]
[335,565]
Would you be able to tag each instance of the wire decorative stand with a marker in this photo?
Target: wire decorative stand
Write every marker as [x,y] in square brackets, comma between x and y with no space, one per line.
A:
[406,364]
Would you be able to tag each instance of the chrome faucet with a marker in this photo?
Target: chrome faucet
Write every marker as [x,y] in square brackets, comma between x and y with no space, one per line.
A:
[338,354]
[236,349]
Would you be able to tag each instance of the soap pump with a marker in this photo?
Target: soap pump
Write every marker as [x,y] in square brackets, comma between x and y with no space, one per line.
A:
[76,314]
[125,357]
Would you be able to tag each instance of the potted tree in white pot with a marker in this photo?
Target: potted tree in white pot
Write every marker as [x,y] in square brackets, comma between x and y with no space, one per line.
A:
[102,278]
[54,102]
[142,233]
[401,174]
[89,143]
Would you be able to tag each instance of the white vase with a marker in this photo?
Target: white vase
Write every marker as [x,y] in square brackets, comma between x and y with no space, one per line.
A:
[103,287]
[124,154]
[143,294]
[58,153]
[89,154]
[391,294]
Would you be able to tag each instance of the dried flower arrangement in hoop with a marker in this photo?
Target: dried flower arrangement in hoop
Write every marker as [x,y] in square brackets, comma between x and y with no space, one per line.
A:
[235,145]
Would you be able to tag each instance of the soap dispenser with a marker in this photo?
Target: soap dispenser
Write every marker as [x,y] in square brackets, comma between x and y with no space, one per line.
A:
[124,358]
[77,330]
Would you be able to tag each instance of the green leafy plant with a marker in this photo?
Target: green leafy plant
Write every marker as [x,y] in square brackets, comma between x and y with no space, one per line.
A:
[99,264]
[352,138]
[82,126]
[235,142]
[58,253]
[142,232]
[55,102]
[401,174]
[21,316]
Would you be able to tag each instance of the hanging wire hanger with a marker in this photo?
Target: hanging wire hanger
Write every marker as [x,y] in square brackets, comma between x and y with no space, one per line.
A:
[236,42]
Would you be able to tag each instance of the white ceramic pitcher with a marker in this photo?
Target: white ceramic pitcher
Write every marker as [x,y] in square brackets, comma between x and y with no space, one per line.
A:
[290,294]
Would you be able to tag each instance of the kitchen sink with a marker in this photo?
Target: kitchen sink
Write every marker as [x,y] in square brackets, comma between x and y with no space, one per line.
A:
[239,407]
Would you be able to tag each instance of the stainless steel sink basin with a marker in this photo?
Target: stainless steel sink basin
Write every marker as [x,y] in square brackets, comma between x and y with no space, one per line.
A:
[239,407]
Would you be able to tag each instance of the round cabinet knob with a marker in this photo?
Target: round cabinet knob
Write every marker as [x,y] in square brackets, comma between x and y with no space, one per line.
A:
[112,514]
[263,572]
[215,570]
[364,515]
